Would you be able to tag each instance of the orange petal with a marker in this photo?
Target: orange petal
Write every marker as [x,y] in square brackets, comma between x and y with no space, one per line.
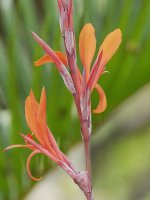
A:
[30,115]
[87,46]
[111,44]
[46,59]
[31,111]
[43,60]
[35,104]
[102,102]
[28,165]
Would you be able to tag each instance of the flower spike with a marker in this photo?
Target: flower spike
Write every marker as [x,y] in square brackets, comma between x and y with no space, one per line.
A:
[81,85]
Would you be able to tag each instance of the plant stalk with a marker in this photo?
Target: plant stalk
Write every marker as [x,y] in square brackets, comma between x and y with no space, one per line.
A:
[86,140]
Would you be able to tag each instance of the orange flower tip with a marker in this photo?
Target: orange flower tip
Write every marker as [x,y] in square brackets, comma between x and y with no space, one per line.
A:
[110,44]
[119,34]
[31,95]
[36,64]
[118,31]
[43,60]
[87,46]
[89,25]
[43,94]
[31,92]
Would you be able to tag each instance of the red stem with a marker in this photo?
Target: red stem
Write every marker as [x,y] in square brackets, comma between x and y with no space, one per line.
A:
[86,140]
[69,42]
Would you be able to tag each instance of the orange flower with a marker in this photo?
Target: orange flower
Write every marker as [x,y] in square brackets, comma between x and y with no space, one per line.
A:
[35,114]
[87,47]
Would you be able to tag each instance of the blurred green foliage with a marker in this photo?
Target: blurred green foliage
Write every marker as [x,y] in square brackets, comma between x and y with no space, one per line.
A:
[129,71]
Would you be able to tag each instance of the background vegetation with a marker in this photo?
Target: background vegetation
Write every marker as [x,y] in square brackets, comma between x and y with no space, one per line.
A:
[121,152]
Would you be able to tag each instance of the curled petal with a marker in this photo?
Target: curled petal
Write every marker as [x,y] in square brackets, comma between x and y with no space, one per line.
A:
[111,44]
[87,46]
[16,146]
[28,165]
[102,102]
[47,59]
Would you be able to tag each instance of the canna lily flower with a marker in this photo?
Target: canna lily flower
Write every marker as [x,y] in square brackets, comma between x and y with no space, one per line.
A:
[87,46]
[41,140]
